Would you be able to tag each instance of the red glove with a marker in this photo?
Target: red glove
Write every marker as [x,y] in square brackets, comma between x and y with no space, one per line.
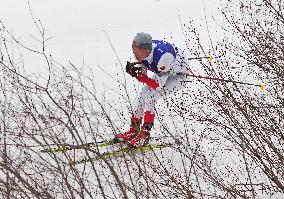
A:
[145,79]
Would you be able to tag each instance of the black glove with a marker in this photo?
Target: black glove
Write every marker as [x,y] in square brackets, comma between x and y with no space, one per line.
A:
[132,70]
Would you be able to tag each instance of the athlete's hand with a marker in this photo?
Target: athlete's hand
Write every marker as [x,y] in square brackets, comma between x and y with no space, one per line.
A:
[132,70]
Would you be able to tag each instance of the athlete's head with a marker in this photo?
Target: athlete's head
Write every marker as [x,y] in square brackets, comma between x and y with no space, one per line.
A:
[142,45]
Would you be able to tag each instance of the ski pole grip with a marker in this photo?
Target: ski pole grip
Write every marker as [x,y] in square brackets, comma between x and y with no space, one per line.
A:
[133,63]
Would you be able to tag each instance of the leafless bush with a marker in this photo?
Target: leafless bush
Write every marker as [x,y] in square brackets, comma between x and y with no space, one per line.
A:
[229,137]
[248,120]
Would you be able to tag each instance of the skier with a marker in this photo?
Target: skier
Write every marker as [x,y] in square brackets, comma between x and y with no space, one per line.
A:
[164,60]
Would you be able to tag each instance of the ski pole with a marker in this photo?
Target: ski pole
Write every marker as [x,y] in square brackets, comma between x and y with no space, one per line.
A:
[262,85]
[210,58]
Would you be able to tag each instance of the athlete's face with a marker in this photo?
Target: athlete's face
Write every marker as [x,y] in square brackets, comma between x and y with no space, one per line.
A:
[140,54]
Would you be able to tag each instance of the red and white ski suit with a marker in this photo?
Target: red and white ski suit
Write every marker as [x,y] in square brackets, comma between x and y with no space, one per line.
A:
[164,61]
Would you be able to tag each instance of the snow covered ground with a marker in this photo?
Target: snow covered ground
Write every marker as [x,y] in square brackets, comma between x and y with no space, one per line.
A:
[76,28]
[77,37]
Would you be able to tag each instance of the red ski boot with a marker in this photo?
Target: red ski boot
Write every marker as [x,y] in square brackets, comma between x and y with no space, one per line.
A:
[140,139]
[132,132]
[143,136]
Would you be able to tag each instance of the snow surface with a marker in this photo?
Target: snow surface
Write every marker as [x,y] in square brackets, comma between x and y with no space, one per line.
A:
[77,36]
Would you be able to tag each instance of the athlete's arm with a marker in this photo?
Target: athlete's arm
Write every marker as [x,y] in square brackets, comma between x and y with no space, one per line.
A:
[162,74]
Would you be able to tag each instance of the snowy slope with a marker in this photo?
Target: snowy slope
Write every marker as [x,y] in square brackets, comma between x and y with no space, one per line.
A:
[206,164]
